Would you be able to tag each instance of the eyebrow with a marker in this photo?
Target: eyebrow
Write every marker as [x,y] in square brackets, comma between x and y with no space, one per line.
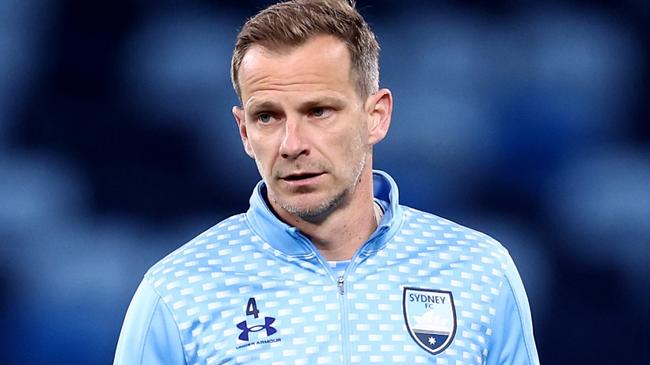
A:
[261,105]
[334,102]
[323,100]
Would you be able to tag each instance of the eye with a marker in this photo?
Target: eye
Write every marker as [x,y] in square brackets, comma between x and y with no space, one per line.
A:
[320,112]
[264,118]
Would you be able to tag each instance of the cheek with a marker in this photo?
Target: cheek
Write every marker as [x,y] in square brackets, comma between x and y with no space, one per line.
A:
[356,141]
[264,156]
[261,169]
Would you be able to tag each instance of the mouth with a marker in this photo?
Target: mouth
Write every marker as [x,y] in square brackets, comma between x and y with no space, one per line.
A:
[301,176]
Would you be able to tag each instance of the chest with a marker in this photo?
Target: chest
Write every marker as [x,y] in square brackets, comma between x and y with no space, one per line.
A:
[381,311]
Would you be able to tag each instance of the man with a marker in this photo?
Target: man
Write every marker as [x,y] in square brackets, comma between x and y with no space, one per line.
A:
[325,267]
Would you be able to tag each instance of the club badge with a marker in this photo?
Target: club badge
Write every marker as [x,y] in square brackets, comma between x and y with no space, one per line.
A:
[430,317]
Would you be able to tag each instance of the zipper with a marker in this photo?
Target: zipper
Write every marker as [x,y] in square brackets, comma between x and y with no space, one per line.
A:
[345,316]
[340,283]
[343,302]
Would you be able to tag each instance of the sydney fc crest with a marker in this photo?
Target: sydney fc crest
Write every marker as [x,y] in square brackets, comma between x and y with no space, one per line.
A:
[430,318]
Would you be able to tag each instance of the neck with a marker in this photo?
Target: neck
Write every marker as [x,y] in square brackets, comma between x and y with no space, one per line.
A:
[339,235]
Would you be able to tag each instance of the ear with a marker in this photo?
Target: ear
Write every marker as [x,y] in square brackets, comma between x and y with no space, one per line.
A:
[379,107]
[238,113]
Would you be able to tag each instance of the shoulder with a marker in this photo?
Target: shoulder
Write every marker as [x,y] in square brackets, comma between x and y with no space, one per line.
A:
[199,254]
[444,237]
[465,253]
[417,222]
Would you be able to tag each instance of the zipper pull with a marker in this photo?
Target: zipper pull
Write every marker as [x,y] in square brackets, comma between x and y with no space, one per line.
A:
[341,283]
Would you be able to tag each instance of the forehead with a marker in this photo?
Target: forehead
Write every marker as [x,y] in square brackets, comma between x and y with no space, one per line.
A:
[322,63]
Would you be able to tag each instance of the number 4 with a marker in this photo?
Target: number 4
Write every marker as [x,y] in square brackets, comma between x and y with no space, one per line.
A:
[251,308]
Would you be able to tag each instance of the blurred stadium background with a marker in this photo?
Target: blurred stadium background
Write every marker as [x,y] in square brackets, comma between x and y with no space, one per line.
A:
[527,120]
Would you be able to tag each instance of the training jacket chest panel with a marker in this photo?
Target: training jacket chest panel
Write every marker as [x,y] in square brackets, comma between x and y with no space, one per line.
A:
[236,299]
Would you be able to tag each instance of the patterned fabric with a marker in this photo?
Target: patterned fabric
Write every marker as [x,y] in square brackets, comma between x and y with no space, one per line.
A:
[338,267]
[253,290]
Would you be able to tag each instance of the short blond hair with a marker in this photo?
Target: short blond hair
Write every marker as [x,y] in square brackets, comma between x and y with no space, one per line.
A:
[291,23]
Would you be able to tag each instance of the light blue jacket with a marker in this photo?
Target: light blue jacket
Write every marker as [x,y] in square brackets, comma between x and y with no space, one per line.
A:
[253,290]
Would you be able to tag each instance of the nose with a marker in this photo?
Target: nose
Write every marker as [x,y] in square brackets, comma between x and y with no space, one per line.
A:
[294,142]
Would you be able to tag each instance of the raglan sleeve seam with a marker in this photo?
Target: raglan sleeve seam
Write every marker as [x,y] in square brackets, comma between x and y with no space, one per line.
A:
[148,330]
[523,326]
[166,308]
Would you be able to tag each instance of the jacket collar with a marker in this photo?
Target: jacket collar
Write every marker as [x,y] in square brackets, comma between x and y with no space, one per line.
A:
[288,239]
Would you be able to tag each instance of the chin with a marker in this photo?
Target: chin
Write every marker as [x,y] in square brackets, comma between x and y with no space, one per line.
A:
[301,208]
[314,209]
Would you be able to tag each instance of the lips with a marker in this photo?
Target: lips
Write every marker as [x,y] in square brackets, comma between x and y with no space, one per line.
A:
[298,176]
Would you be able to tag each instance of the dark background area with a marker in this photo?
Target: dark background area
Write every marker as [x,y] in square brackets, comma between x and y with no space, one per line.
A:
[525,120]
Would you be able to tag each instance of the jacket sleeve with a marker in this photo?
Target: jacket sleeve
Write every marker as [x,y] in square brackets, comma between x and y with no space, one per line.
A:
[149,334]
[512,339]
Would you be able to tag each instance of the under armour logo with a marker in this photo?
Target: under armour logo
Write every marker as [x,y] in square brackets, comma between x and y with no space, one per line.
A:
[251,310]
[243,326]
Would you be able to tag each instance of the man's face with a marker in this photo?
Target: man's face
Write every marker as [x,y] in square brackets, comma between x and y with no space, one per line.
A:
[305,125]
